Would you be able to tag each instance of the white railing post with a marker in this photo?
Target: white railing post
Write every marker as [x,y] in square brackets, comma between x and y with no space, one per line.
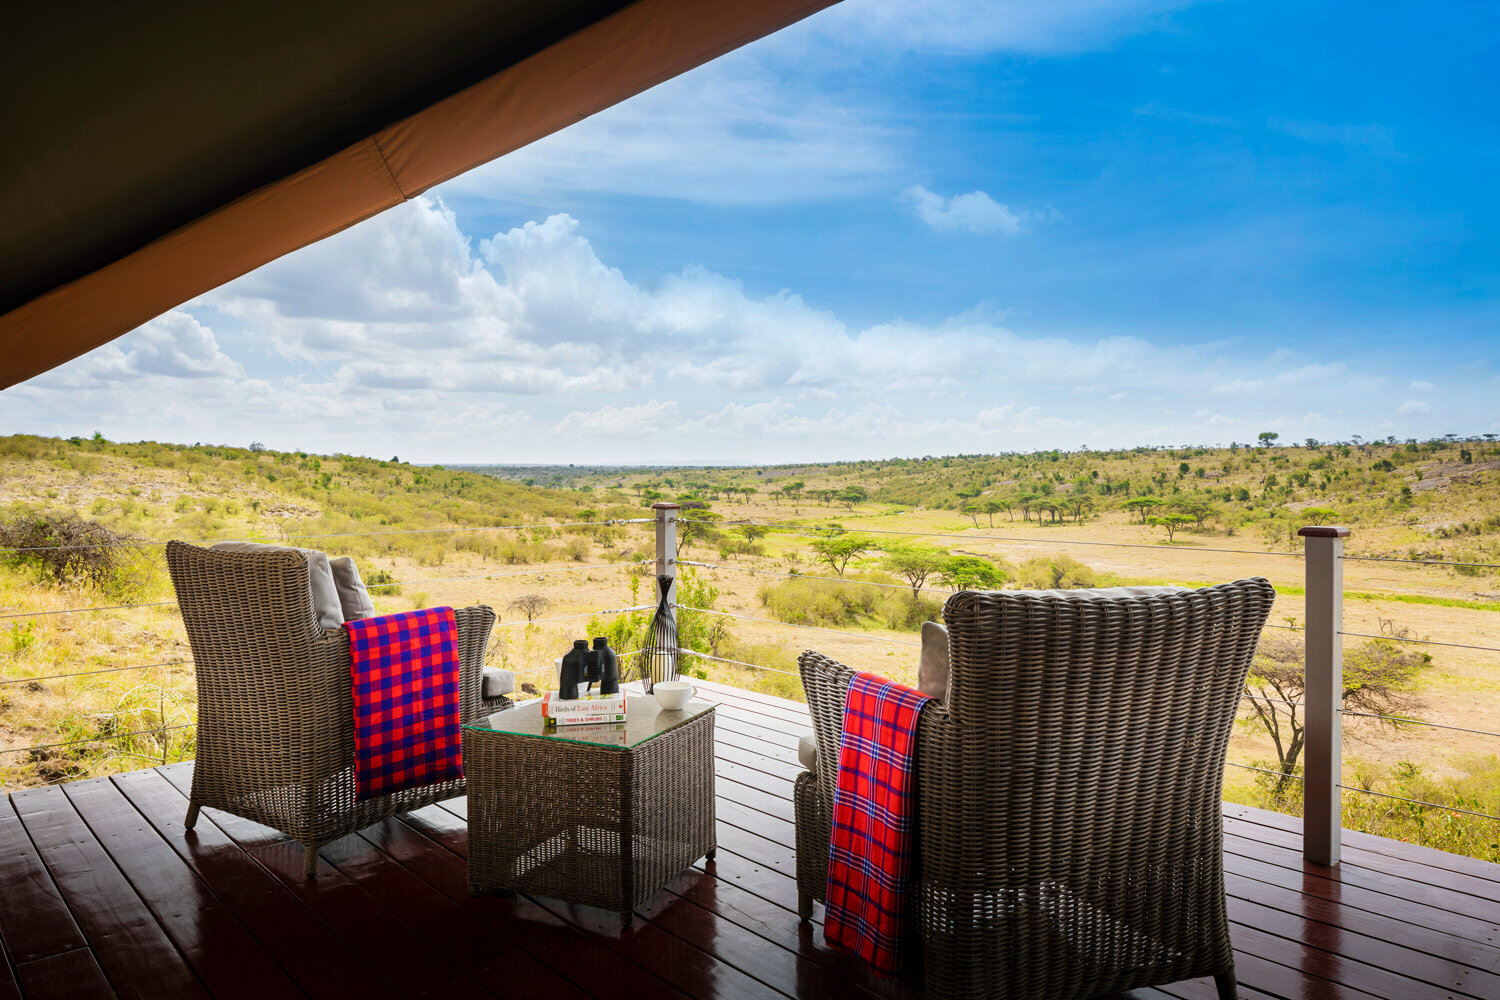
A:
[666,565]
[1322,799]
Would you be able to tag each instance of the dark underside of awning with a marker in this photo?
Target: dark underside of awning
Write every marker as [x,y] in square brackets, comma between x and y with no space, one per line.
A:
[149,152]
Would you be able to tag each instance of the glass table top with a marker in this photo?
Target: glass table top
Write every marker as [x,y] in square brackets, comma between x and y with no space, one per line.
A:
[644,718]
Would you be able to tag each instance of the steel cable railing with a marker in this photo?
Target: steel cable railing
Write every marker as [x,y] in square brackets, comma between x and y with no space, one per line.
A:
[1264,770]
[810,577]
[815,628]
[808,531]
[88,673]
[541,571]
[738,663]
[1423,642]
[580,614]
[101,739]
[1419,802]
[457,529]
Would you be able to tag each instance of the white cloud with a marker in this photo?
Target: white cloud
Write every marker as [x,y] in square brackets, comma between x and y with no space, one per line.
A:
[975,212]
[1422,386]
[529,346]
[173,345]
[647,418]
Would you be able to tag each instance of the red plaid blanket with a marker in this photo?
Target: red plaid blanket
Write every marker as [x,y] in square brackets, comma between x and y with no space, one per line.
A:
[405,673]
[869,856]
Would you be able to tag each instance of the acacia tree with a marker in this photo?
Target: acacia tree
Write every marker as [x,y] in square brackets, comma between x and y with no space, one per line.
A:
[530,605]
[1319,515]
[973,510]
[1171,522]
[993,507]
[1379,679]
[1142,506]
[1196,508]
[837,552]
[915,563]
[700,527]
[851,495]
[963,572]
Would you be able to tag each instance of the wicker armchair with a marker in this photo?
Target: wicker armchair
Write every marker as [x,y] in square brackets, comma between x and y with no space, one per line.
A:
[275,703]
[1069,833]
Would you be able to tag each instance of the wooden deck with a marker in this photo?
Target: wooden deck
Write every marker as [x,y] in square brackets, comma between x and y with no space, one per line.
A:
[103,894]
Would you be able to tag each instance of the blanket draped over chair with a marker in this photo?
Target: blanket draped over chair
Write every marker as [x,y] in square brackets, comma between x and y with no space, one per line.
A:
[869,857]
[404,669]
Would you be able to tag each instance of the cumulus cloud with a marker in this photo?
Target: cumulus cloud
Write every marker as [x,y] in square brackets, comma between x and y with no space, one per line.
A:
[975,212]
[530,346]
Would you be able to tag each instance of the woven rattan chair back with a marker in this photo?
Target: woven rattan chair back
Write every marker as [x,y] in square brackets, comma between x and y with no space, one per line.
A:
[1069,829]
[275,734]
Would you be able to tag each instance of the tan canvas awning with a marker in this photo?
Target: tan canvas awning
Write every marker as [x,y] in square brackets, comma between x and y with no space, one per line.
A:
[149,153]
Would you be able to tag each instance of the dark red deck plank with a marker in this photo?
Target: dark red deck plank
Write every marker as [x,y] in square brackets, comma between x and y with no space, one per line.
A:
[9,989]
[697,973]
[73,975]
[416,842]
[377,935]
[130,946]
[492,960]
[1380,865]
[1364,956]
[1393,926]
[34,920]
[322,965]
[1352,888]
[1373,847]
[229,961]
[769,923]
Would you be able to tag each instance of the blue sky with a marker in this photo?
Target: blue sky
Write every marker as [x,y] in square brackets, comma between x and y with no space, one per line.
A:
[900,229]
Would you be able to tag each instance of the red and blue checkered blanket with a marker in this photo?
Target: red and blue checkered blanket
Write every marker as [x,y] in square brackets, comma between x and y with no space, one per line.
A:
[405,673]
[869,856]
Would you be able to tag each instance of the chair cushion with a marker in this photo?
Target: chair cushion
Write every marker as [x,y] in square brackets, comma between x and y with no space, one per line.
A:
[932,672]
[354,599]
[497,683]
[323,594]
[807,753]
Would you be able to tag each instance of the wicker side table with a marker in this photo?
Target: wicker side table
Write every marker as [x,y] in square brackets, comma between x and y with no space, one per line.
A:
[600,815]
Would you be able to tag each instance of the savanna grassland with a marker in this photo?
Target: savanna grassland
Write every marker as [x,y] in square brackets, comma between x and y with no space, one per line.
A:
[840,557]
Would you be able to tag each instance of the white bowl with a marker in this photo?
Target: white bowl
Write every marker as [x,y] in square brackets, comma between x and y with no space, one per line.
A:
[673,696]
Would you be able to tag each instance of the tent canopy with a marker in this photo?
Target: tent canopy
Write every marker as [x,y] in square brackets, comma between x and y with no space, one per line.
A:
[154,151]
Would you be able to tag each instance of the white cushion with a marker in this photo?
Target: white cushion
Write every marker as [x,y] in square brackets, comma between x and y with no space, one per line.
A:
[932,672]
[323,594]
[496,683]
[354,599]
[807,753]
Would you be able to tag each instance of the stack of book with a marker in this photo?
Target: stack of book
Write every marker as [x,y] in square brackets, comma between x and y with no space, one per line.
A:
[590,710]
